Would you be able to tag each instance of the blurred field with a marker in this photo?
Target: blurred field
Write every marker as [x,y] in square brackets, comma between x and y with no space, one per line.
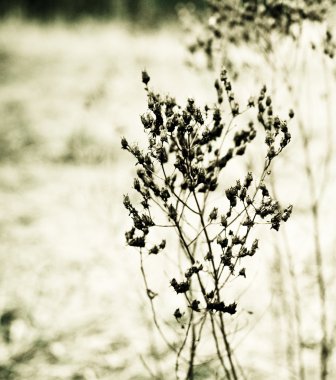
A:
[67,95]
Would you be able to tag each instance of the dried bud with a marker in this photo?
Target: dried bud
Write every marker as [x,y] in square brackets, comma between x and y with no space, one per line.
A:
[195,305]
[222,242]
[124,143]
[181,287]
[178,314]
[242,273]
[137,242]
[223,76]
[127,202]
[240,151]
[208,256]
[210,295]
[255,244]
[251,102]
[213,215]
[248,180]
[264,190]
[154,250]
[137,184]
[172,212]
[145,77]
[151,294]
[287,213]
[223,221]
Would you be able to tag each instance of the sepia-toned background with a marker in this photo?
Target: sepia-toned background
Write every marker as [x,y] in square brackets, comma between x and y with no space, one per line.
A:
[72,301]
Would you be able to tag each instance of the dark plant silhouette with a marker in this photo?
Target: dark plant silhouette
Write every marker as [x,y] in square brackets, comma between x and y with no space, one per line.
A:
[184,183]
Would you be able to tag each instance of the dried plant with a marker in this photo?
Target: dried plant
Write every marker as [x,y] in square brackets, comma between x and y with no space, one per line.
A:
[183,177]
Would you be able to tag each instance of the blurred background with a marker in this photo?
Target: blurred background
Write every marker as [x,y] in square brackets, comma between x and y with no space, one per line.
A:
[72,301]
[72,304]
[146,11]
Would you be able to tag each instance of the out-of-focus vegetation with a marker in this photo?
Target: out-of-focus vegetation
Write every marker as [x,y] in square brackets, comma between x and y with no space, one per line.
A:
[17,137]
[139,10]
[70,305]
[306,31]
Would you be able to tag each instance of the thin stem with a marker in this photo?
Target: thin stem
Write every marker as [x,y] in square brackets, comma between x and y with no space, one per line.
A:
[190,373]
[156,323]
[219,355]
[215,274]
[297,303]
[150,372]
[324,349]
[182,347]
